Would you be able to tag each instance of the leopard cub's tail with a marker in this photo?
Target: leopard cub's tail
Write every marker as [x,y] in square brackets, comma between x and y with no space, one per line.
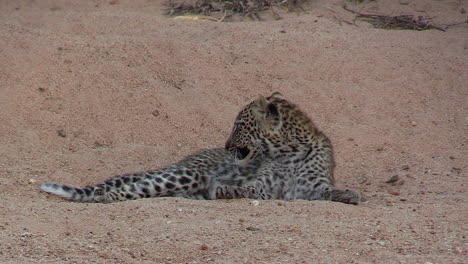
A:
[87,194]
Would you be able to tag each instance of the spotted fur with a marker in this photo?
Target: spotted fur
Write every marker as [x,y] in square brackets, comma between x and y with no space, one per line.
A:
[297,158]
[196,177]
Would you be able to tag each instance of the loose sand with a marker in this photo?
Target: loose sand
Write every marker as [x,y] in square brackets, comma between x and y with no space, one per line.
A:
[91,89]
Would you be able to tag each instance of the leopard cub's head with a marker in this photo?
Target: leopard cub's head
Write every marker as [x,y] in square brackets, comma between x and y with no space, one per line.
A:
[267,124]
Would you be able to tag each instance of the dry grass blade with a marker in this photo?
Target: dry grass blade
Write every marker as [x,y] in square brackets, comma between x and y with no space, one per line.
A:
[399,22]
[228,8]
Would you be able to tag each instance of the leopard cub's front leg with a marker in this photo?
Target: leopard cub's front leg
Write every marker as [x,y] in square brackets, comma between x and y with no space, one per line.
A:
[238,192]
[235,192]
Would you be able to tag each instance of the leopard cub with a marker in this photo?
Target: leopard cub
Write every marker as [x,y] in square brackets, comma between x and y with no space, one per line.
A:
[297,159]
[274,152]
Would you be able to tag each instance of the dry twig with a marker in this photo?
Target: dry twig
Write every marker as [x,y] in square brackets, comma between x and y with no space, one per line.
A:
[396,22]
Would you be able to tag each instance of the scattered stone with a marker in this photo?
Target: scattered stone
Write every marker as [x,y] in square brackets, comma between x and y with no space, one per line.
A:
[25,234]
[242,220]
[203,247]
[255,203]
[41,89]
[32,181]
[452,157]
[396,193]
[362,180]
[393,179]
[104,255]
[403,199]
[251,228]
[61,132]
[405,167]
[413,123]
[155,113]
[280,204]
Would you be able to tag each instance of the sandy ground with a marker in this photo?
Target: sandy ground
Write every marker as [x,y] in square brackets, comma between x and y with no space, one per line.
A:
[90,89]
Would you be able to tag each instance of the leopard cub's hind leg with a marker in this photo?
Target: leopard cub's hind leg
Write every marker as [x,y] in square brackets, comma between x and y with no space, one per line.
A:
[343,196]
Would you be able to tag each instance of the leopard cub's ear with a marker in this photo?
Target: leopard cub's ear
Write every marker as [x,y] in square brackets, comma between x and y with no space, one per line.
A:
[261,106]
[273,117]
[278,95]
[267,113]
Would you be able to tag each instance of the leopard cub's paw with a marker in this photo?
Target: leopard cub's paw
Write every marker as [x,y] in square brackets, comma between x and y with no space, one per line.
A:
[345,196]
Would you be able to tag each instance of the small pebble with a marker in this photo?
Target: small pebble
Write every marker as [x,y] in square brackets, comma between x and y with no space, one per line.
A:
[155,113]
[203,247]
[405,167]
[393,179]
[32,181]
[26,234]
[362,180]
[61,133]
[380,242]
[414,123]
[255,203]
